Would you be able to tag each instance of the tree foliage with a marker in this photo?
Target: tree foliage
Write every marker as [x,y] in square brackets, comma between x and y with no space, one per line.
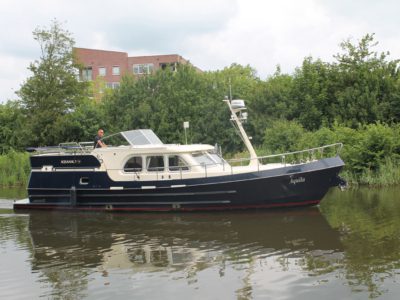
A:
[368,84]
[166,99]
[12,127]
[53,91]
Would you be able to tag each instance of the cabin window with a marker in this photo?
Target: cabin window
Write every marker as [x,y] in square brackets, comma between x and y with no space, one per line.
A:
[134,164]
[176,163]
[203,159]
[155,163]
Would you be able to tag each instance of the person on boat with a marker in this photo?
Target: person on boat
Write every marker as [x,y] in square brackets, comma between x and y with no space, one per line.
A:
[98,143]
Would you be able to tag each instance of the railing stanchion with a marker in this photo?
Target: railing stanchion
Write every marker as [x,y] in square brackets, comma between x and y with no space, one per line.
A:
[301,156]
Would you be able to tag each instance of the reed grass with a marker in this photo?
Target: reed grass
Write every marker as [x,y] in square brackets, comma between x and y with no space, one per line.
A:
[14,169]
[388,174]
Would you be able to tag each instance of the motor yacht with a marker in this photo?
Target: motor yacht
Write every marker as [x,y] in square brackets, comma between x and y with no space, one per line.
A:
[138,172]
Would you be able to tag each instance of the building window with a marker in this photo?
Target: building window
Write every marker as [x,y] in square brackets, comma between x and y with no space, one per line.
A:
[112,85]
[115,70]
[102,71]
[87,74]
[143,69]
[77,73]
[171,66]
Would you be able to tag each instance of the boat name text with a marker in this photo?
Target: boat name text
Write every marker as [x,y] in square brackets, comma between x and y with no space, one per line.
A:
[297,180]
[70,161]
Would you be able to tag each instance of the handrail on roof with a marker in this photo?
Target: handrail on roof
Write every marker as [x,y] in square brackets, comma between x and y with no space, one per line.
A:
[68,147]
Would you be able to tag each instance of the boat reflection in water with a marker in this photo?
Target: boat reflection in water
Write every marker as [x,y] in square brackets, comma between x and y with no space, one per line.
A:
[69,247]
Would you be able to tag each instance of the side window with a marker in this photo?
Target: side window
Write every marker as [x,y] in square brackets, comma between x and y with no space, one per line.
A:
[176,163]
[134,164]
[155,163]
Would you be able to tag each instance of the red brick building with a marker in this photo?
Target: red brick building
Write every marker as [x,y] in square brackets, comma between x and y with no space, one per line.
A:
[112,65]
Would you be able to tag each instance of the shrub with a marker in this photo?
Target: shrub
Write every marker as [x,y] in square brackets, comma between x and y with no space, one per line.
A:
[283,136]
[14,168]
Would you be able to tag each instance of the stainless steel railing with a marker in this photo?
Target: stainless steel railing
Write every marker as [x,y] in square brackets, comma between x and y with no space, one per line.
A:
[65,148]
[295,157]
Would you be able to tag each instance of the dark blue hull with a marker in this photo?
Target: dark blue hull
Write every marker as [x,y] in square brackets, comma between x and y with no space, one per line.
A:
[299,185]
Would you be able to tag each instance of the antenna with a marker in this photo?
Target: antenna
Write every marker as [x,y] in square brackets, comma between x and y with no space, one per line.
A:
[230,89]
[185,126]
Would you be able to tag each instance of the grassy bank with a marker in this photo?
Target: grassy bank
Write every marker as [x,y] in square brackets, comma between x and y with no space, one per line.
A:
[14,169]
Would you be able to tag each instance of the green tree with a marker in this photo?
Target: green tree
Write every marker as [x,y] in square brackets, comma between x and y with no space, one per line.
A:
[367,84]
[12,127]
[283,136]
[164,100]
[310,94]
[53,91]
[82,123]
[271,100]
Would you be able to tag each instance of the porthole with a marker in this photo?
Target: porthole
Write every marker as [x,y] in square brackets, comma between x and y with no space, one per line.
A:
[84,180]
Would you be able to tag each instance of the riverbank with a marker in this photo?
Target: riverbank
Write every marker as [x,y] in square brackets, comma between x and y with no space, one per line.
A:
[387,174]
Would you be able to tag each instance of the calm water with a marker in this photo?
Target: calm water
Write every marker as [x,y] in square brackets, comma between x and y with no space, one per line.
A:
[349,247]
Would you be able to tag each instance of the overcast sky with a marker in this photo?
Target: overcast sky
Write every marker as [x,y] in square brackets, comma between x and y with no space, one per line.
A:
[212,34]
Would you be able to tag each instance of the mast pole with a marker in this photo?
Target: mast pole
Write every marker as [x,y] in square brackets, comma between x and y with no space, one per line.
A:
[245,138]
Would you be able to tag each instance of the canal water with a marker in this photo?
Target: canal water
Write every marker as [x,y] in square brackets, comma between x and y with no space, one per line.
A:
[347,248]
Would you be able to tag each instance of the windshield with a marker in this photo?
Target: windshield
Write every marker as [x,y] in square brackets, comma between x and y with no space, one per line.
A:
[115,140]
[204,158]
[215,157]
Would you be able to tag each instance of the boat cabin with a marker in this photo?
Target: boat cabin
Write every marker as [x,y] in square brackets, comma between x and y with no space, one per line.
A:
[140,155]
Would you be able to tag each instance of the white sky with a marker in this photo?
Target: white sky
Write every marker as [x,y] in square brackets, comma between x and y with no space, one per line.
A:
[212,34]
